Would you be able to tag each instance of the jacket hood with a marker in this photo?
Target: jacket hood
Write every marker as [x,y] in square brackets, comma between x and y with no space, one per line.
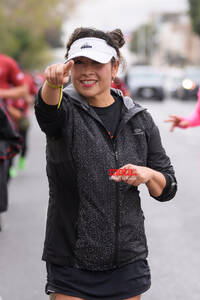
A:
[129,104]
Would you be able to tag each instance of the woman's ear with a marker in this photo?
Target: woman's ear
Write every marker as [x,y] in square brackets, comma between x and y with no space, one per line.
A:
[115,67]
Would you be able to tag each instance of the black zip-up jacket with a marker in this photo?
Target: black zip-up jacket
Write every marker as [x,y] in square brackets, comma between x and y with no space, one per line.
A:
[95,223]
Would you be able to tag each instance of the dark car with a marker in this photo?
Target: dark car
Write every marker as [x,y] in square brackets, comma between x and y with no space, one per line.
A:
[145,82]
[188,84]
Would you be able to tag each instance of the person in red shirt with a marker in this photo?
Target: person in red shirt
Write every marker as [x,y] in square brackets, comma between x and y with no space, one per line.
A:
[12,82]
[118,83]
[19,109]
[10,143]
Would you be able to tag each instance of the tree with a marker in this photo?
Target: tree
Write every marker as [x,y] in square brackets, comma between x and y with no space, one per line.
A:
[194,12]
[28,28]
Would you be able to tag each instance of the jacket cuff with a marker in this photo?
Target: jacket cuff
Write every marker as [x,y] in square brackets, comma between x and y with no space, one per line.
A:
[169,190]
[44,105]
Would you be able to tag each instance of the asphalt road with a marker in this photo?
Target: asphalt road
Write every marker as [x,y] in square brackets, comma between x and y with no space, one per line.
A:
[172,228]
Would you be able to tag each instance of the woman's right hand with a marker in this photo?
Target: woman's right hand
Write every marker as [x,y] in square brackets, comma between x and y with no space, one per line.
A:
[177,122]
[58,74]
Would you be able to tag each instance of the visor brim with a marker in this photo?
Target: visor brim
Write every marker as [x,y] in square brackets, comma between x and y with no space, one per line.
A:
[102,58]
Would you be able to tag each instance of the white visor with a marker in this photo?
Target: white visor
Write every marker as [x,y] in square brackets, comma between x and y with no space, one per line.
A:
[93,48]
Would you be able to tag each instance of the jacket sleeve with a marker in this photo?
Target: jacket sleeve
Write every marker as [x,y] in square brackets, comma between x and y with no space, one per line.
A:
[159,161]
[49,117]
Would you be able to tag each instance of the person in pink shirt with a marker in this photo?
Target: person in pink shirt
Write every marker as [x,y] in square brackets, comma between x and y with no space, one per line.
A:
[184,122]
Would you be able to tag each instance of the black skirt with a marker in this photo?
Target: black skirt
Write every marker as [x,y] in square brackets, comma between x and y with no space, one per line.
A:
[125,282]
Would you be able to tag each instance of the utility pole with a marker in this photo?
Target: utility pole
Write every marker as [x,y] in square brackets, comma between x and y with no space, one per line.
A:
[142,43]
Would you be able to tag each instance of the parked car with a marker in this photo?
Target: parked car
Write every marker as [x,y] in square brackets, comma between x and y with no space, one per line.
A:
[188,84]
[145,82]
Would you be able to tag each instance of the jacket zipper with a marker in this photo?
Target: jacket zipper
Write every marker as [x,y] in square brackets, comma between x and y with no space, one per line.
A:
[115,259]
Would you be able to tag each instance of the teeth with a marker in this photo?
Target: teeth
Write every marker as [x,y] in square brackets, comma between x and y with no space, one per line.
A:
[89,81]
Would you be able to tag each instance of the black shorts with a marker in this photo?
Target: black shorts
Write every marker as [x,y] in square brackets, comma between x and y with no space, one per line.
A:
[125,282]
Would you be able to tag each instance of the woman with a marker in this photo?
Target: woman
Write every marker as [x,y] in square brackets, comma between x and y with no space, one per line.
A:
[95,245]
[186,122]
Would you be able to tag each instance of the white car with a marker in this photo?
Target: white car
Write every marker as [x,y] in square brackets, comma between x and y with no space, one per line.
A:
[145,82]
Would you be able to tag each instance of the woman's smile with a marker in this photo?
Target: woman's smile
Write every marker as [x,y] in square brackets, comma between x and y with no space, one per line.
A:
[93,80]
[88,83]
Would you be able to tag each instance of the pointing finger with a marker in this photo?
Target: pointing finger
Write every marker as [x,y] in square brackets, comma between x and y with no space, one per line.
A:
[67,67]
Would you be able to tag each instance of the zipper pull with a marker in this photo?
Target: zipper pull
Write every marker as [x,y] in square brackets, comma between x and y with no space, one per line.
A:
[116,155]
[115,152]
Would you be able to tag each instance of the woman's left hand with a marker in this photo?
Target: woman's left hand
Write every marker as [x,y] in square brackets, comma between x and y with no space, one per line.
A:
[138,175]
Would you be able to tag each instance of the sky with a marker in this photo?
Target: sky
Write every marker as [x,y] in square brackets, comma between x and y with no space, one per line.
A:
[123,14]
